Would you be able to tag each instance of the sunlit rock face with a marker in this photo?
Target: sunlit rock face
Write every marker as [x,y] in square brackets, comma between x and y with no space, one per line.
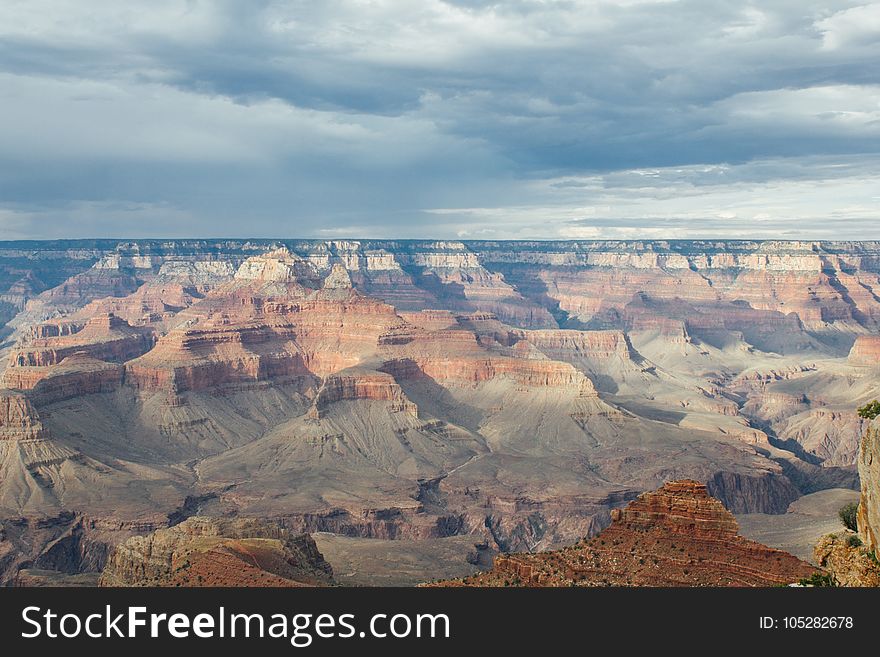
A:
[513,391]
[869,473]
[677,535]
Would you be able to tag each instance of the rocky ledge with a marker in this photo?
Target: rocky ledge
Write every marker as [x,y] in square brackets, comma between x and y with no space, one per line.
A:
[847,561]
[675,536]
[218,552]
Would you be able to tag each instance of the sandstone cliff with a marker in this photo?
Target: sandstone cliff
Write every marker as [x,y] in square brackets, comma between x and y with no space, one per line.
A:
[869,473]
[865,351]
[102,338]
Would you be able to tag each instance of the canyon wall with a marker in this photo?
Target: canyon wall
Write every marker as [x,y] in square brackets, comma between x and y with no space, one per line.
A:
[515,391]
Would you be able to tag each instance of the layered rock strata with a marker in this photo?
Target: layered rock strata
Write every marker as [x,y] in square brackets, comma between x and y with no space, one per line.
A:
[18,418]
[865,351]
[675,536]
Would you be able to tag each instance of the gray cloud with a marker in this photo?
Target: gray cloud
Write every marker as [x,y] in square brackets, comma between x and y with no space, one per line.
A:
[521,118]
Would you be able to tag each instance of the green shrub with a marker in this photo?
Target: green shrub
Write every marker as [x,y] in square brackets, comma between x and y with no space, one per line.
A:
[818,579]
[870,410]
[854,541]
[848,516]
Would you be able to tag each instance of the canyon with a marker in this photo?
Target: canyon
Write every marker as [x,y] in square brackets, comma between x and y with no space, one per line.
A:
[509,395]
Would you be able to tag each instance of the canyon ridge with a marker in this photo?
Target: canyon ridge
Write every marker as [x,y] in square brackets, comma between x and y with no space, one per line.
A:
[435,401]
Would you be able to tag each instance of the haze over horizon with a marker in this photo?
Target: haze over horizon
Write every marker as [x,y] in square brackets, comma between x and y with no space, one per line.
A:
[459,119]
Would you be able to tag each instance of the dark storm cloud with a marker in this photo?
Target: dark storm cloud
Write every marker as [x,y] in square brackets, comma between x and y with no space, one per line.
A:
[520,118]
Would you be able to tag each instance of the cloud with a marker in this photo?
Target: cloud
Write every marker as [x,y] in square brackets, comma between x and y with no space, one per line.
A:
[395,118]
[854,26]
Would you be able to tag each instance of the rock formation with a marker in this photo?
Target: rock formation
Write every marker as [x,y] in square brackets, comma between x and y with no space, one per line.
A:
[279,266]
[865,351]
[848,562]
[675,536]
[18,418]
[869,473]
[218,552]
[515,392]
[101,338]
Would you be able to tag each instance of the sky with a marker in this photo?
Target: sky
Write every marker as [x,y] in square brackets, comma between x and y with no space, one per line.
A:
[456,119]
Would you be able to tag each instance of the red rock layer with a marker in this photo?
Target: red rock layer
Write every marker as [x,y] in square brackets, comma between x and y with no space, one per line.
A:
[75,376]
[377,386]
[458,356]
[77,291]
[260,330]
[865,350]
[152,304]
[252,338]
[594,344]
[814,287]
[459,282]
[105,337]
[675,536]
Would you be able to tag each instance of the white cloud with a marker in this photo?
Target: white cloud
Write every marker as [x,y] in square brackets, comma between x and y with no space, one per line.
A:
[532,115]
[734,201]
[853,26]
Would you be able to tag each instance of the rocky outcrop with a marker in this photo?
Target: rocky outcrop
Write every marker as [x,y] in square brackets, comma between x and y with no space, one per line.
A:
[764,492]
[280,266]
[865,351]
[75,376]
[351,385]
[104,337]
[675,536]
[869,474]
[218,552]
[847,561]
[338,279]
[18,418]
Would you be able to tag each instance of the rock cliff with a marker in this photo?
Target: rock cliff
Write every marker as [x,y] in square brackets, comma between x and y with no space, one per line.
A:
[675,536]
[511,391]
[101,338]
[869,473]
[218,552]
[18,418]
[866,351]
[848,563]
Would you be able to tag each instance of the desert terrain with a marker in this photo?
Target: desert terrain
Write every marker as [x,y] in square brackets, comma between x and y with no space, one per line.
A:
[419,406]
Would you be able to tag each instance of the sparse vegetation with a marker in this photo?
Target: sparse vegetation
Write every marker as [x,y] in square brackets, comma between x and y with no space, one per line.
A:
[848,516]
[870,410]
[854,541]
[818,579]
